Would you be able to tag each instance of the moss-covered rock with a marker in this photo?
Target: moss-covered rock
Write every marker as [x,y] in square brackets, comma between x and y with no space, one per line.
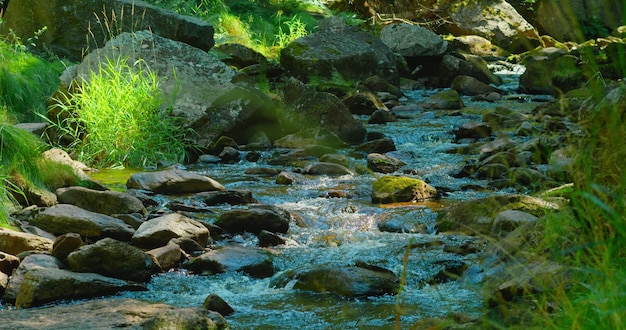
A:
[477,216]
[392,189]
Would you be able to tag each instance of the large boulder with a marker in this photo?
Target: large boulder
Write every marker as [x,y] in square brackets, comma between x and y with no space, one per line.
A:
[110,257]
[173,182]
[64,218]
[341,50]
[113,313]
[159,231]
[412,40]
[551,72]
[195,86]
[106,202]
[325,110]
[349,281]
[44,285]
[16,242]
[495,20]
[72,28]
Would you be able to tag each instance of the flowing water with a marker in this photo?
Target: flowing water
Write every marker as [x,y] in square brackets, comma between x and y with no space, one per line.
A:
[343,231]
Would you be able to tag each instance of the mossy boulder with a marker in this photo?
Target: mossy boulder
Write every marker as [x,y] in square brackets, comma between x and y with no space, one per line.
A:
[392,189]
[477,216]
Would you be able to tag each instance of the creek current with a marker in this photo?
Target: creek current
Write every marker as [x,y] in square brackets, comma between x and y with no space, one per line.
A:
[344,231]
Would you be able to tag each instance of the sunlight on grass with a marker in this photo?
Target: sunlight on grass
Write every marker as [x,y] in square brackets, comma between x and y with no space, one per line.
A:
[114,119]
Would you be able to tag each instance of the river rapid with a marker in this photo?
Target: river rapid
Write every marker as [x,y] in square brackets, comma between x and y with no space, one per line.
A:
[345,231]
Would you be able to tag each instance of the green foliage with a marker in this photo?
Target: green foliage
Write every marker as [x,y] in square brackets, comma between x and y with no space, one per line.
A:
[263,25]
[19,164]
[26,81]
[114,119]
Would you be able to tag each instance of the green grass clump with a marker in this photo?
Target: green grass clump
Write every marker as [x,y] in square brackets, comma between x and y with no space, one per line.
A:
[263,25]
[115,119]
[20,153]
[26,82]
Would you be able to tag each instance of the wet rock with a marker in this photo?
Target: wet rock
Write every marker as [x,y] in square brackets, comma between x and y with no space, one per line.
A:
[8,263]
[380,146]
[44,285]
[363,103]
[63,218]
[159,231]
[393,225]
[323,168]
[267,238]
[287,178]
[383,164]
[249,260]
[381,116]
[444,100]
[28,263]
[167,257]
[340,159]
[506,221]
[229,155]
[111,313]
[134,220]
[491,171]
[173,182]
[530,178]
[110,257]
[177,206]
[472,131]
[442,73]
[392,189]
[471,86]
[477,216]
[450,270]
[16,242]
[187,244]
[253,219]
[85,18]
[232,197]
[105,202]
[349,281]
[214,302]
[412,40]
[66,244]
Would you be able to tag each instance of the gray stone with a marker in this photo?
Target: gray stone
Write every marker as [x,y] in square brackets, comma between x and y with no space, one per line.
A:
[159,231]
[173,182]
[75,27]
[106,202]
[323,168]
[45,285]
[253,219]
[113,313]
[30,262]
[383,163]
[349,281]
[253,261]
[348,52]
[64,218]
[412,40]
[110,257]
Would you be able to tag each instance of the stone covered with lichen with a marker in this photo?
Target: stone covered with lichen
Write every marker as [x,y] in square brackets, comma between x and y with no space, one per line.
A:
[394,189]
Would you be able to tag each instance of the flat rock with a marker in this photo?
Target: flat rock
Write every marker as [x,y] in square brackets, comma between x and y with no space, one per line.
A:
[113,313]
[106,202]
[16,242]
[63,218]
[159,231]
[173,182]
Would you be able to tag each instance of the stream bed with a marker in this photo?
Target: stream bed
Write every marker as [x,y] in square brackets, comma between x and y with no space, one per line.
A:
[346,231]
